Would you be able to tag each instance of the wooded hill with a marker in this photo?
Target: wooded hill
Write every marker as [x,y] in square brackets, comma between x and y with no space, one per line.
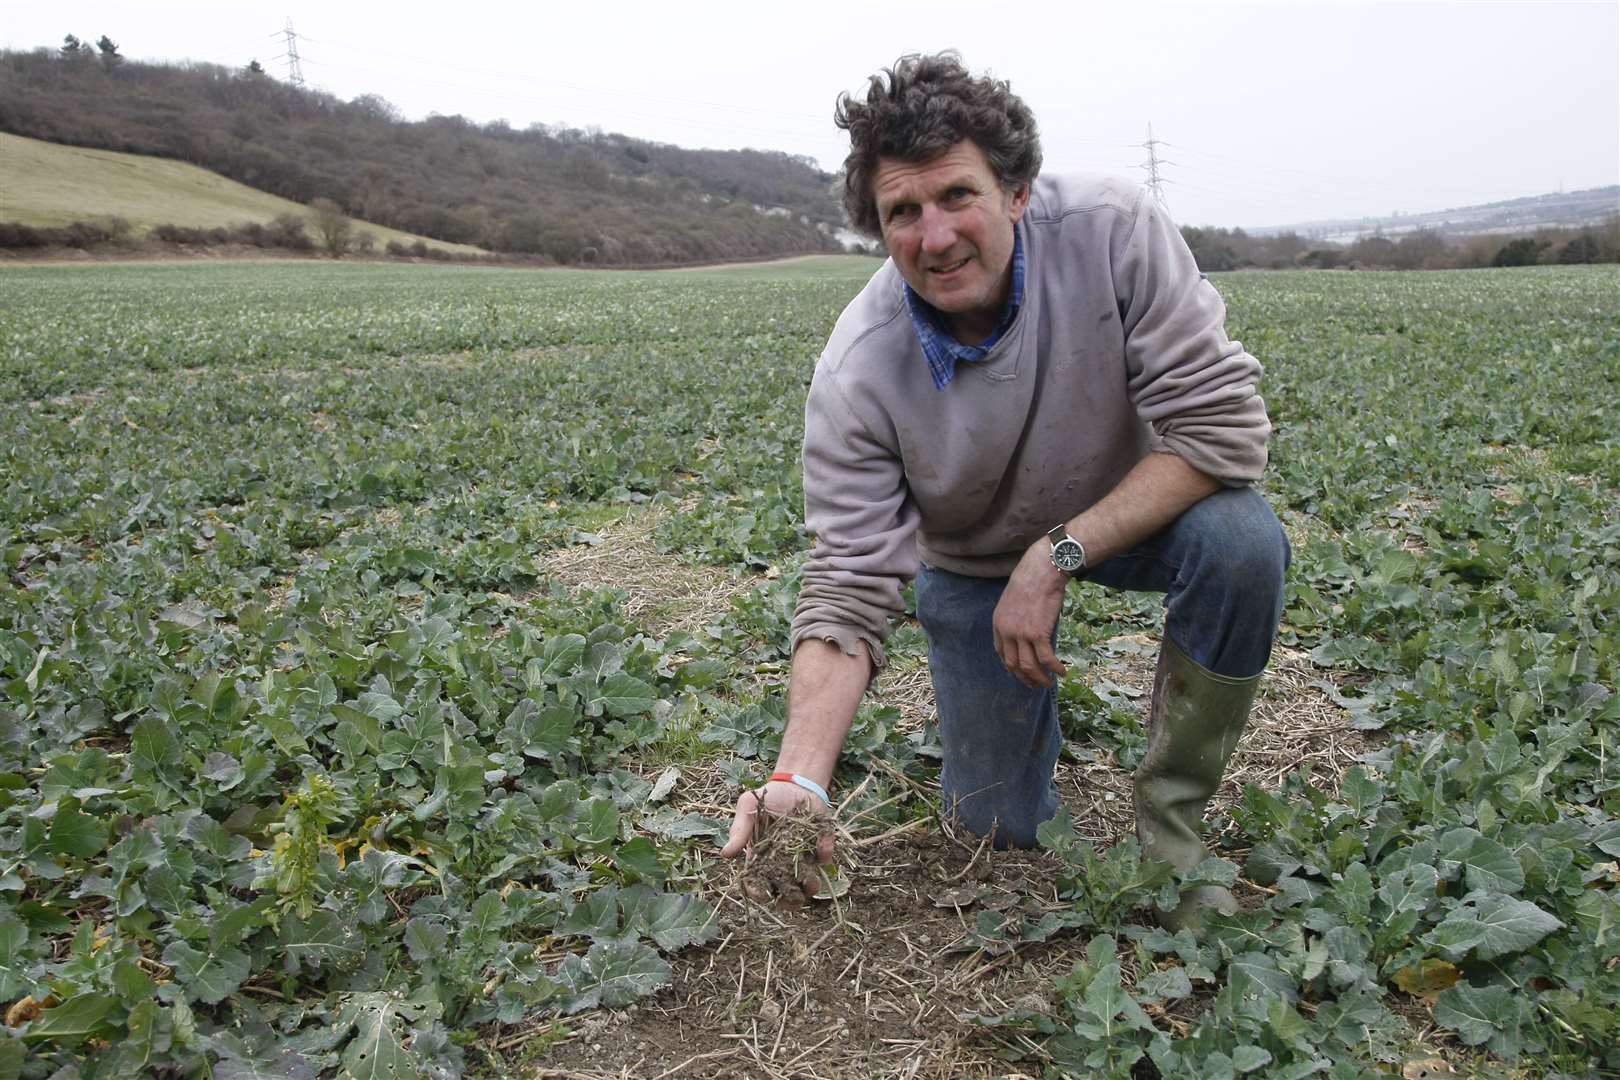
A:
[569,195]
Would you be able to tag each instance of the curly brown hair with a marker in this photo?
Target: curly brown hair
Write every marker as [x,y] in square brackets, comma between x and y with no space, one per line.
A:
[922,107]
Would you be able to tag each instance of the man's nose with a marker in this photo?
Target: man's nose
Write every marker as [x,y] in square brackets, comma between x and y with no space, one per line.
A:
[937,232]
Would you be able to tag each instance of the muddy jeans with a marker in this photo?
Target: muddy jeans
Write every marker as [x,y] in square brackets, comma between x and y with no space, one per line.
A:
[1220,566]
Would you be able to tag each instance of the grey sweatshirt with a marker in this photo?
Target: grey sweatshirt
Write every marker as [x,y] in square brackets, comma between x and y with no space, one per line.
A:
[1118,351]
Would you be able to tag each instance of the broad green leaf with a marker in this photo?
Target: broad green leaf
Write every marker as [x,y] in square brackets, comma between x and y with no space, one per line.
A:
[612,974]
[542,733]
[601,824]
[377,1050]
[153,748]
[673,920]
[1164,984]
[1412,888]
[235,923]
[1491,867]
[623,696]
[639,857]
[1511,925]
[1105,999]
[209,977]
[557,660]
[282,1063]
[74,1020]
[1474,1012]
[1256,973]
[14,955]
[426,938]
[222,769]
[148,1035]
[325,939]
[603,659]
[12,1056]
[595,916]
[1361,791]
[1246,1059]
[76,833]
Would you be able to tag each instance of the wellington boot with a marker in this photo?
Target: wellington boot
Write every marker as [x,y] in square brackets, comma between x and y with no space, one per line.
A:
[1194,724]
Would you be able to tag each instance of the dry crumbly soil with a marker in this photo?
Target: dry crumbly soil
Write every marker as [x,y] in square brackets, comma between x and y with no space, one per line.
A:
[878,982]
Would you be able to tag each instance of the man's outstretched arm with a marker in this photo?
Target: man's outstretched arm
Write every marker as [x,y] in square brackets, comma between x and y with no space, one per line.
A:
[823,693]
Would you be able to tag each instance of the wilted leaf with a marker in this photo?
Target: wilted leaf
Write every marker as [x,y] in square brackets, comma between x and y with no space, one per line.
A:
[1427,978]
[664,784]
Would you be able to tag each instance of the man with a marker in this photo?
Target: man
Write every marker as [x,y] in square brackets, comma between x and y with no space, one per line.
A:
[1036,386]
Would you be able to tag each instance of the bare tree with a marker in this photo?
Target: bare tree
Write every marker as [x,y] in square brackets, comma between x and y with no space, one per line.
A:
[332,226]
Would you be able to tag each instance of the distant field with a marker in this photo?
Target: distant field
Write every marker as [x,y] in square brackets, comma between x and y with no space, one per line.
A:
[48,184]
[383,645]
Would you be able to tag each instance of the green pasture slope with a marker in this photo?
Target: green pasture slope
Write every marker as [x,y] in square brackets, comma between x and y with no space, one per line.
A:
[299,757]
[49,184]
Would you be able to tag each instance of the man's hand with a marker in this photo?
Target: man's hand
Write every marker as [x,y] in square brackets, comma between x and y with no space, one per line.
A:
[776,799]
[1023,622]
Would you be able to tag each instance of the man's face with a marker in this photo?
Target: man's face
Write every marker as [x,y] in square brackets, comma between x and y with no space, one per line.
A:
[949,225]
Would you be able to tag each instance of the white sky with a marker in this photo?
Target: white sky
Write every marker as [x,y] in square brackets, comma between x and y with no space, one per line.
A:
[1275,112]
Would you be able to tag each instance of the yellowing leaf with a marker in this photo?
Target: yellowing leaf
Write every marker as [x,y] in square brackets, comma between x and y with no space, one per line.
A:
[1427,979]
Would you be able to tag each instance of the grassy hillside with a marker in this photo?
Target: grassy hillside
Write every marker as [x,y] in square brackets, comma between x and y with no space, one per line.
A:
[47,184]
[572,196]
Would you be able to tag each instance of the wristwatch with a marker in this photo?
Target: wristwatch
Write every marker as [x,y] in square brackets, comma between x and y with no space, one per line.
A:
[1068,554]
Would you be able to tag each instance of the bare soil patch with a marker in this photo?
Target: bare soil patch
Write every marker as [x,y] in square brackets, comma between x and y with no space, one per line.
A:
[877,983]
[662,593]
[880,982]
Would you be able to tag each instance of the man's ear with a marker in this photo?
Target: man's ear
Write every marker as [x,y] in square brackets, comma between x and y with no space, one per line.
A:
[1018,202]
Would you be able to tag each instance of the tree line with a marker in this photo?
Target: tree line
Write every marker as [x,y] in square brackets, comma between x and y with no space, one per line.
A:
[567,195]
[1424,249]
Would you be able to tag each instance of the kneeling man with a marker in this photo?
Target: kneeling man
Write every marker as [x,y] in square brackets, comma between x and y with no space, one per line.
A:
[1036,387]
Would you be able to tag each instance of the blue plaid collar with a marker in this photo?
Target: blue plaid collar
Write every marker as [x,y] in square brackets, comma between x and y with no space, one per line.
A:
[943,351]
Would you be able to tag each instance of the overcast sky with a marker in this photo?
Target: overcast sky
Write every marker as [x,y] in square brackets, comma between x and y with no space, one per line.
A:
[1274,113]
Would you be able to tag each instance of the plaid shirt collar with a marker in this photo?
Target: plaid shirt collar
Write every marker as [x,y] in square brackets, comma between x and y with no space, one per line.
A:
[943,351]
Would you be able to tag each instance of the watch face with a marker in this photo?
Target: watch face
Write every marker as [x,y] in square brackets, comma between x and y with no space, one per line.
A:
[1068,556]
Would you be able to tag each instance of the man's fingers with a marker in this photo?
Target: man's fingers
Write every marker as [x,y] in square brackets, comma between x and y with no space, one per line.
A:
[742,827]
[1047,659]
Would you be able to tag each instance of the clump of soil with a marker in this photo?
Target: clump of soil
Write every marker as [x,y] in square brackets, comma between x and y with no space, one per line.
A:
[783,865]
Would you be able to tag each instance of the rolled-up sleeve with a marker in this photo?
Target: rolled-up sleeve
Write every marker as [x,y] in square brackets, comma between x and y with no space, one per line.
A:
[1195,387]
[857,507]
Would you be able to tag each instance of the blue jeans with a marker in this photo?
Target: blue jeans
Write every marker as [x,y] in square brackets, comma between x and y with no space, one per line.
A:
[1220,566]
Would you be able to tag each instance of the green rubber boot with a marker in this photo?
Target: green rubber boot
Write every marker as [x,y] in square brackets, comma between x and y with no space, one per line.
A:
[1194,724]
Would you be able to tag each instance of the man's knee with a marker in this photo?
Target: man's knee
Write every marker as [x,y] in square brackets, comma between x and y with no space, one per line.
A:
[1242,542]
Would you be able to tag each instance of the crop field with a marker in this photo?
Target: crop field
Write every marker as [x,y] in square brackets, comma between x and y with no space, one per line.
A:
[383,648]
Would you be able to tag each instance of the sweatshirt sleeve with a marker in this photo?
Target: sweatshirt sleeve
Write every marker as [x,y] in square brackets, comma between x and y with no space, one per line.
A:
[857,506]
[1196,388]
